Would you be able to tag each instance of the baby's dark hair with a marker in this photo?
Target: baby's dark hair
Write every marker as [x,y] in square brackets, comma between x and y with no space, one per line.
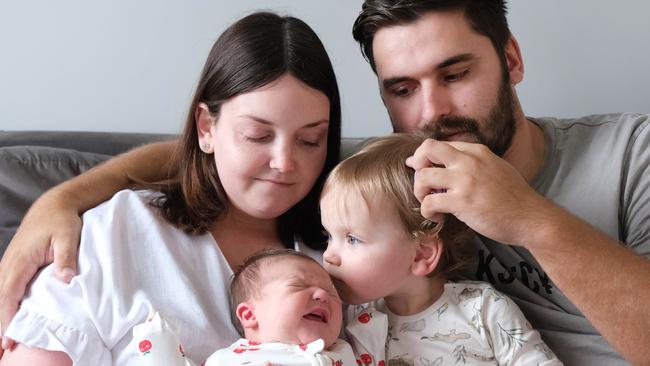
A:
[247,280]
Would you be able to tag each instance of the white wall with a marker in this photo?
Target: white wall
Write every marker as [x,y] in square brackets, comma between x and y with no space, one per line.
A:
[124,65]
[583,56]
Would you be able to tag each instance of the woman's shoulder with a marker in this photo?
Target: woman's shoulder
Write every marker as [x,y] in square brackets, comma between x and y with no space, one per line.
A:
[126,208]
[130,219]
[127,199]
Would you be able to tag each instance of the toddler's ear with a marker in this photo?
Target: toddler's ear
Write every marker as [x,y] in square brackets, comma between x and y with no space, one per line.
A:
[246,315]
[428,252]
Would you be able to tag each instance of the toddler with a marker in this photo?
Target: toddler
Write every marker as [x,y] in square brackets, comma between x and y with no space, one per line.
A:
[382,251]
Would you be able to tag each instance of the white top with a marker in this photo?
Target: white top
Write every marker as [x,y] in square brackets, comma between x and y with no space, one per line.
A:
[131,261]
[471,323]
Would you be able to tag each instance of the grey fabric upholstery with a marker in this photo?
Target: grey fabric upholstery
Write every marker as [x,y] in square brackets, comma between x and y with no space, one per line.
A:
[33,161]
[108,143]
[27,171]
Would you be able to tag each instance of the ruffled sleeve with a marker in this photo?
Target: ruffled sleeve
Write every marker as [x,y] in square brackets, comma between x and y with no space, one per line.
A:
[35,330]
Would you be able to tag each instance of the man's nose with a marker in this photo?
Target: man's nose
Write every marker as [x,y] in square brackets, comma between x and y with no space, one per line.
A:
[436,104]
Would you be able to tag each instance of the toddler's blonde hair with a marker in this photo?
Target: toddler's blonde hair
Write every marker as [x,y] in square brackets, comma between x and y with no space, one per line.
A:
[379,174]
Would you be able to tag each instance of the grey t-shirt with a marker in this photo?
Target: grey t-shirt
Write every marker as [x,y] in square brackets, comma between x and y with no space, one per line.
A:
[596,168]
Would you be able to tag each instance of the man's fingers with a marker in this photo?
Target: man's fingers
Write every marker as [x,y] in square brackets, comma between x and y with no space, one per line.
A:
[427,154]
[12,288]
[7,344]
[433,207]
[433,152]
[433,180]
[65,258]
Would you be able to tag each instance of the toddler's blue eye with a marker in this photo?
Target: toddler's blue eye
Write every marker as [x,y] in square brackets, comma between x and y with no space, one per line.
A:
[352,240]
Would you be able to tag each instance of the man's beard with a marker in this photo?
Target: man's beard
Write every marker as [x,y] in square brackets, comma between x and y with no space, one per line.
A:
[498,128]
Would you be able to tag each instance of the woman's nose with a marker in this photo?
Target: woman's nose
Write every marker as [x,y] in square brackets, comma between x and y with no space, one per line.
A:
[282,158]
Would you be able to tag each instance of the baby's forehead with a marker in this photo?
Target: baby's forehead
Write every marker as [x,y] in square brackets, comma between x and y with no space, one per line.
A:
[293,267]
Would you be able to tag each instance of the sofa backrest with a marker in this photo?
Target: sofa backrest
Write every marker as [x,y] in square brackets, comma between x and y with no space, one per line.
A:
[33,161]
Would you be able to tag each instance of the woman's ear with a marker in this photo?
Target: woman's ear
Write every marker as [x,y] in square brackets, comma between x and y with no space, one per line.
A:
[428,252]
[204,123]
[246,315]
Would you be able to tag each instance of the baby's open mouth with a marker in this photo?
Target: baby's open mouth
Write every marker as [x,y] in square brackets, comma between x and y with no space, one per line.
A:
[317,315]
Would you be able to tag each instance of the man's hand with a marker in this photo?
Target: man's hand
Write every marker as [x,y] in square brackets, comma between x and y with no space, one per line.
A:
[49,232]
[479,188]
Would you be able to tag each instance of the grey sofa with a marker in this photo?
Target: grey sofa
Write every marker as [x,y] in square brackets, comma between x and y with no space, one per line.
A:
[33,161]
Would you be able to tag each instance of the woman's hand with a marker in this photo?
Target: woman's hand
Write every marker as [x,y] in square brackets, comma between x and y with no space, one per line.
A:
[49,232]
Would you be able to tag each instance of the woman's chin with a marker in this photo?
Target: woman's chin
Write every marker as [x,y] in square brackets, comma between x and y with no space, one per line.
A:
[270,213]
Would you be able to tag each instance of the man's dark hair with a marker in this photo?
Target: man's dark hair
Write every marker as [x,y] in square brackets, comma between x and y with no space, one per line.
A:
[486,17]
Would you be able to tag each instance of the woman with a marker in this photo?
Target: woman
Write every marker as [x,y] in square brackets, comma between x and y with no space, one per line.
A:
[262,132]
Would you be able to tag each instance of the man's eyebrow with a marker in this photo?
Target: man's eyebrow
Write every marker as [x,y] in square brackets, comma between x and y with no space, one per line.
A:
[456,59]
[463,57]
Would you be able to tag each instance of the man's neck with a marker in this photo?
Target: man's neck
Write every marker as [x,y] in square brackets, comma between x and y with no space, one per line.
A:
[526,154]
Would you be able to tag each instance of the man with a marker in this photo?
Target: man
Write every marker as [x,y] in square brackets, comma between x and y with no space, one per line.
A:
[576,262]
[569,197]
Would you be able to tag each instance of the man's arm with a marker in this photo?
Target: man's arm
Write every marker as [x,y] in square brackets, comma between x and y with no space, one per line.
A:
[146,163]
[490,196]
[608,283]
[50,230]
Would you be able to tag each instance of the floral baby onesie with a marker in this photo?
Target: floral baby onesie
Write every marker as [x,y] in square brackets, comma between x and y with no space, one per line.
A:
[158,344]
[471,323]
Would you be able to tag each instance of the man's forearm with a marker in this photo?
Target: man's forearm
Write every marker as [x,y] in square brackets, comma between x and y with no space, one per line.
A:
[608,283]
[146,163]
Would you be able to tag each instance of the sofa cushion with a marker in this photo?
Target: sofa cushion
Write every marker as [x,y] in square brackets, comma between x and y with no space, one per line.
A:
[109,143]
[28,171]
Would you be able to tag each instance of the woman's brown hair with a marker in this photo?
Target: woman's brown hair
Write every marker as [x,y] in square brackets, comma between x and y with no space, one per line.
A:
[251,53]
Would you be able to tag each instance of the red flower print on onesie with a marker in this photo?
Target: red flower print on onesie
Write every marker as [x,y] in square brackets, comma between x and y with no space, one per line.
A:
[338,363]
[381,363]
[366,359]
[364,318]
[145,346]
[239,350]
